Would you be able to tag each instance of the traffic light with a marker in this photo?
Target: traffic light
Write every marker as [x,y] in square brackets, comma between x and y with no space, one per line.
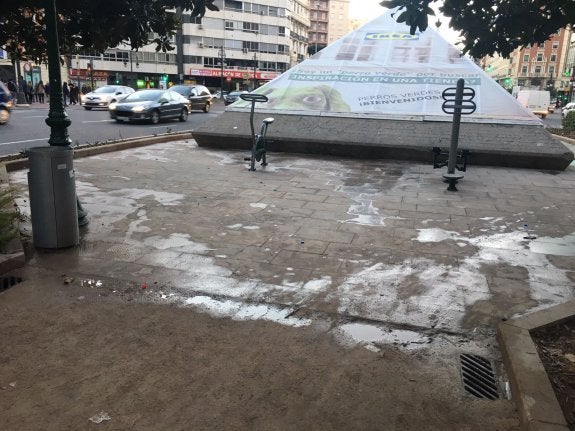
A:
[567,73]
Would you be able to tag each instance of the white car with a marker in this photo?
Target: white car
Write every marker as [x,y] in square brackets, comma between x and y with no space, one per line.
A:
[102,97]
[567,108]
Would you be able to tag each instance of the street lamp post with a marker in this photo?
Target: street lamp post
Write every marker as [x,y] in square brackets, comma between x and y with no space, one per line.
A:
[78,70]
[91,67]
[56,210]
[255,69]
[222,54]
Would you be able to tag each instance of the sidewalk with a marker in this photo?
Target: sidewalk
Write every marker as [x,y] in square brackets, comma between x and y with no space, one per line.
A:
[317,293]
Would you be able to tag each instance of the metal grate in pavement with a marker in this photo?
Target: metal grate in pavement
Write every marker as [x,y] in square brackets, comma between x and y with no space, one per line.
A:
[478,377]
[9,281]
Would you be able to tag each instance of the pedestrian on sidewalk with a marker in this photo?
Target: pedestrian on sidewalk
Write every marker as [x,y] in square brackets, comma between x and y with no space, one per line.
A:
[73,94]
[30,92]
[40,91]
[65,93]
[13,90]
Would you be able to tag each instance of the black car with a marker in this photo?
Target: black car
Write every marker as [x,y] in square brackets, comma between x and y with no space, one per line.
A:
[6,103]
[150,105]
[198,95]
[234,96]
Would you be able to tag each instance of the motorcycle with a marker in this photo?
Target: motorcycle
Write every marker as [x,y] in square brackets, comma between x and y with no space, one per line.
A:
[6,104]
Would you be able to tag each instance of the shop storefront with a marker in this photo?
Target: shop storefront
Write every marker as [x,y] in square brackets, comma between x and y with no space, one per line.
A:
[233,79]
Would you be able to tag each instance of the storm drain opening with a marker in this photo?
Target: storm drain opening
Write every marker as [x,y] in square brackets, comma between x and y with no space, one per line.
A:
[478,377]
[9,281]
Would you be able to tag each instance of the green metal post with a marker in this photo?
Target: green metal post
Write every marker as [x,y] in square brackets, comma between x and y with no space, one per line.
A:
[58,119]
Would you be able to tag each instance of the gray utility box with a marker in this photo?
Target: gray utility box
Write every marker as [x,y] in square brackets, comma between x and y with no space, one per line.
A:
[53,197]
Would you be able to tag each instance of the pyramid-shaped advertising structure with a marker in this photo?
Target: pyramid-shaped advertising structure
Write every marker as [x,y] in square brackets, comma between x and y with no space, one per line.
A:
[381,71]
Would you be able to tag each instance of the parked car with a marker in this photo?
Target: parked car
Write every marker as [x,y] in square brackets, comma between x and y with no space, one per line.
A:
[199,96]
[102,97]
[233,97]
[567,108]
[218,94]
[151,105]
[6,103]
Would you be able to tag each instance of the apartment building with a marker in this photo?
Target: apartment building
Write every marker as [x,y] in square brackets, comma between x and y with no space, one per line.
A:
[242,46]
[339,23]
[542,65]
[299,29]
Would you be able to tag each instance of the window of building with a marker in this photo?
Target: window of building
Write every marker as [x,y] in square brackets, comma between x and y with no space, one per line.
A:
[539,56]
[551,70]
[553,57]
[526,58]
[233,5]
[537,70]
[555,44]
[281,31]
[229,25]
[524,70]
[251,27]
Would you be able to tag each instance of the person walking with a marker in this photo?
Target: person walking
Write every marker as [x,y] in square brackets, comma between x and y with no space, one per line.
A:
[40,91]
[13,90]
[65,93]
[73,93]
[30,92]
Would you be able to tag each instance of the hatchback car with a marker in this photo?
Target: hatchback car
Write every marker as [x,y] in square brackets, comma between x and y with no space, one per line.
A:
[199,96]
[150,105]
[234,96]
[103,96]
[6,103]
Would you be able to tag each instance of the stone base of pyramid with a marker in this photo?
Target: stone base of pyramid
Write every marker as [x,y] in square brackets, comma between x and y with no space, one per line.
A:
[506,145]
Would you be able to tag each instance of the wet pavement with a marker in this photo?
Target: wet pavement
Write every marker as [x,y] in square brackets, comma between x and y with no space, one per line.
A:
[373,254]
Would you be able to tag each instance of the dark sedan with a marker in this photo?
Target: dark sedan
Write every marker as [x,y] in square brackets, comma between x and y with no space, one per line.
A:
[234,96]
[198,95]
[150,105]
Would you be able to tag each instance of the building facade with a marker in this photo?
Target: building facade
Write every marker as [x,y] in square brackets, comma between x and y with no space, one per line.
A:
[543,66]
[240,47]
[330,21]
[339,23]
[299,29]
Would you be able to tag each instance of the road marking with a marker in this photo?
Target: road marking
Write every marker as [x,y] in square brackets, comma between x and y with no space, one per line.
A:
[35,116]
[20,142]
[98,121]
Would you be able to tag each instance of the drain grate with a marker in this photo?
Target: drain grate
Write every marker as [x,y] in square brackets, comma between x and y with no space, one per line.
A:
[478,377]
[8,282]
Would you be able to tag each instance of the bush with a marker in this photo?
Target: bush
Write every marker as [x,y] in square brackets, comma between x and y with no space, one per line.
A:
[569,121]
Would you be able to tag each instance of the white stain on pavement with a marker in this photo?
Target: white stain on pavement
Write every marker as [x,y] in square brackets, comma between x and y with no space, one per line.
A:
[372,337]
[242,311]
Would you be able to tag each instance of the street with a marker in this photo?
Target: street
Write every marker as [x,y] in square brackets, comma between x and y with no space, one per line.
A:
[27,128]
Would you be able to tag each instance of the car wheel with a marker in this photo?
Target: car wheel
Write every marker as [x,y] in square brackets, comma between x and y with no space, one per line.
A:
[87,108]
[207,108]
[184,115]
[155,117]
[4,116]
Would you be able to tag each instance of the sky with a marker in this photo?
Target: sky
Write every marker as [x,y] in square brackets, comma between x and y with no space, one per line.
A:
[369,9]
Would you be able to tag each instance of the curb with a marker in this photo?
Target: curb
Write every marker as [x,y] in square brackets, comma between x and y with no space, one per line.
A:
[564,138]
[534,396]
[107,147]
